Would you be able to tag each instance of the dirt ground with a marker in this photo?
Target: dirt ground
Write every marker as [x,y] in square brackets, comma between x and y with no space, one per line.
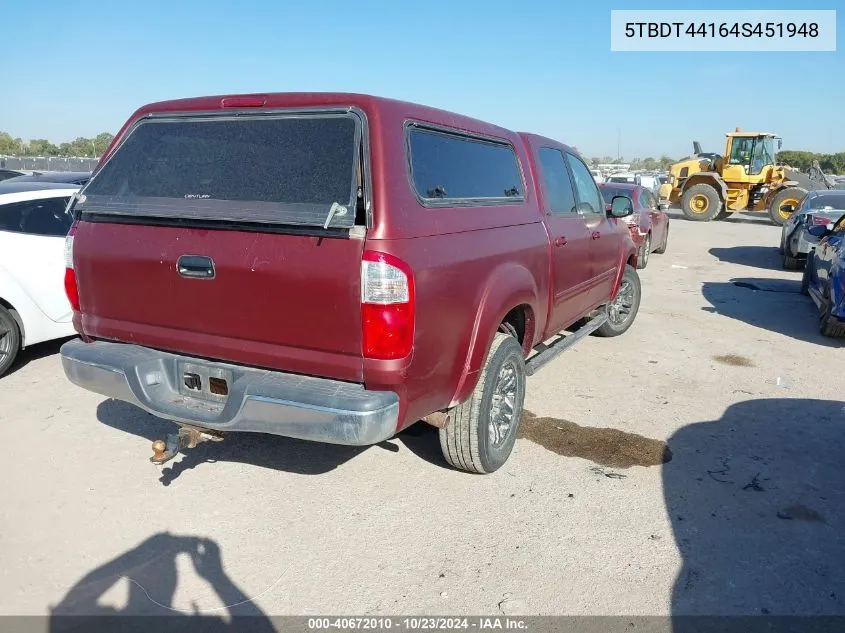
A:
[691,466]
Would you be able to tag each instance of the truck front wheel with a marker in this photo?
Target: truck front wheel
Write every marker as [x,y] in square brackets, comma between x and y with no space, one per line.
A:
[481,432]
[701,202]
[622,311]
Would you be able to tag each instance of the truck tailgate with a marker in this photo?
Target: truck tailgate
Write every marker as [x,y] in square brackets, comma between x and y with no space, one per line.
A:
[288,302]
[228,236]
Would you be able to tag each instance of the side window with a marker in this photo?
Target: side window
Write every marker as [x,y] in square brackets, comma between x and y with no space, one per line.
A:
[37,217]
[448,167]
[648,200]
[48,218]
[585,186]
[556,180]
[11,216]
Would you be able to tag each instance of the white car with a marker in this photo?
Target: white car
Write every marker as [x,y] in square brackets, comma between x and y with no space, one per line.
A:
[597,176]
[33,305]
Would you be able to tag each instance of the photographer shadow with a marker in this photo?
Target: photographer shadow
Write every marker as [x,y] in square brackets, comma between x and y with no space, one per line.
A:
[150,573]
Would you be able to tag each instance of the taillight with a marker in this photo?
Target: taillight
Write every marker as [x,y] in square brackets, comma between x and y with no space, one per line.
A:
[387,306]
[71,289]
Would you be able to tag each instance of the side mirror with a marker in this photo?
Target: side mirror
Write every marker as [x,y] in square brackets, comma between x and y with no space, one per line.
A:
[621,207]
[820,230]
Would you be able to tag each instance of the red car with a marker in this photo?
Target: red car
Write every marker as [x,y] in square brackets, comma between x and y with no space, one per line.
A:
[649,225]
[336,267]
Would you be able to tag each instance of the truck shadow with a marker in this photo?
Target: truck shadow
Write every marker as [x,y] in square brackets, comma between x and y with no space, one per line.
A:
[257,449]
[149,573]
[757,505]
[776,305]
[766,257]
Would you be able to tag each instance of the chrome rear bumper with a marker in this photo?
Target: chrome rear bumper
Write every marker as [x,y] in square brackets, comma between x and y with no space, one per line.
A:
[256,400]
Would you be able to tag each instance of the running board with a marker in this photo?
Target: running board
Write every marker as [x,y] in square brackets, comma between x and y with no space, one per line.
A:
[546,353]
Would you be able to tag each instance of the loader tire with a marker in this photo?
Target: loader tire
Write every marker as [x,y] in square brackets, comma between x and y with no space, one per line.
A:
[790,195]
[701,203]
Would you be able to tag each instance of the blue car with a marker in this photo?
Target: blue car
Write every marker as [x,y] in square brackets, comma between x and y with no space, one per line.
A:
[824,276]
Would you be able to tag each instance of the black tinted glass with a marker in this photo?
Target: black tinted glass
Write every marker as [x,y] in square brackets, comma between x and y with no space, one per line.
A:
[449,167]
[47,218]
[832,200]
[274,169]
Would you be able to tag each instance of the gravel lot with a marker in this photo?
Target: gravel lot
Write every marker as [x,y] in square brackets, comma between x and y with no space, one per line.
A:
[747,517]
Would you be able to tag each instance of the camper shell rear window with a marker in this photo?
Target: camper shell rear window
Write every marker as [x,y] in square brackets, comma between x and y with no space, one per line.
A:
[291,168]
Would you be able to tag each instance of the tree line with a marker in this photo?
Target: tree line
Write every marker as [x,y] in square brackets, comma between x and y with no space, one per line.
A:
[94,147]
[830,163]
[79,147]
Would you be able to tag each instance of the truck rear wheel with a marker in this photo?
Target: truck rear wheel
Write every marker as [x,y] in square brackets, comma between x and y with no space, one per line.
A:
[481,432]
[701,202]
[622,311]
[10,340]
[791,196]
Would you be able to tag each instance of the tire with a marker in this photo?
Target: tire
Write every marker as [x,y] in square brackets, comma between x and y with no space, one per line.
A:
[10,340]
[790,262]
[827,326]
[466,441]
[662,248]
[701,203]
[790,194]
[644,252]
[612,327]
[806,277]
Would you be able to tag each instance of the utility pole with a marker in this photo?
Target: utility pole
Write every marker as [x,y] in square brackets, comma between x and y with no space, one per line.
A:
[619,144]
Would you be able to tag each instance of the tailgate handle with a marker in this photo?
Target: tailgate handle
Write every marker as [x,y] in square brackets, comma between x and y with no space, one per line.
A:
[196,266]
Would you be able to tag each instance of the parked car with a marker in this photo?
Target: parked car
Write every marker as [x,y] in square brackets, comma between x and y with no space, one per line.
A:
[824,276]
[33,305]
[633,179]
[597,176]
[648,224]
[336,267]
[67,177]
[650,182]
[818,208]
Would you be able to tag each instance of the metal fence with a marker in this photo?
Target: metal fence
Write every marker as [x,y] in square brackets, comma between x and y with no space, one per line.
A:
[47,163]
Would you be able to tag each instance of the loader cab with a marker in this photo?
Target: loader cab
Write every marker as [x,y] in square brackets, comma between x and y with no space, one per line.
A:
[748,155]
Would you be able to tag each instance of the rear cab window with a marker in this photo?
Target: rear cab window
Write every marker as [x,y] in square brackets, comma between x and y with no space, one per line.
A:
[292,168]
[449,168]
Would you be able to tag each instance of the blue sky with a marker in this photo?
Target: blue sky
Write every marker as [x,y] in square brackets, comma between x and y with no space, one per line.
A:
[79,68]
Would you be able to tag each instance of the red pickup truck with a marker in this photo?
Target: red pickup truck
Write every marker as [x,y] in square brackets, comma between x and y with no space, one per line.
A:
[336,267]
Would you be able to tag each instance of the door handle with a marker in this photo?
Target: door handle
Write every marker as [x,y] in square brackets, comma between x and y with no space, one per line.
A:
[560,241]
[596,235]
[196,266]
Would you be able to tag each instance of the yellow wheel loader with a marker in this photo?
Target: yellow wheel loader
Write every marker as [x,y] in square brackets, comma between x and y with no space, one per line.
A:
[711,186]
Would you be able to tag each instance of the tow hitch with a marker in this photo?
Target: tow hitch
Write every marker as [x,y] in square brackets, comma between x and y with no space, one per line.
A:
[186,437]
